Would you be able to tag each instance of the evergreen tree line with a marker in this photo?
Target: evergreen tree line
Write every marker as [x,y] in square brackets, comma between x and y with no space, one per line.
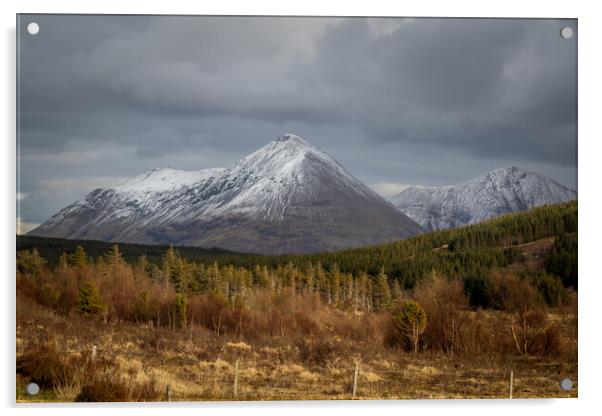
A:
[263,301]
[370,278]
[226,282]
[488,243]
[503,232]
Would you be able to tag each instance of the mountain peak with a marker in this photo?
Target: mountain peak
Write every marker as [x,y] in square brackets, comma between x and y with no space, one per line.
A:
[286,153]
[497,192]
[507,171]
[159,168]
[291,143]
[287,197]
[289,137]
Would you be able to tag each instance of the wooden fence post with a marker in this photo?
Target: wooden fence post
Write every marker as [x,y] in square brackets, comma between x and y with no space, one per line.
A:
[236,379]
[168,392]
[355,372]
[511,383]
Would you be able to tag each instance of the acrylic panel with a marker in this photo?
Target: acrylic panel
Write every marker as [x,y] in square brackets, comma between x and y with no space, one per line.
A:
[295,208]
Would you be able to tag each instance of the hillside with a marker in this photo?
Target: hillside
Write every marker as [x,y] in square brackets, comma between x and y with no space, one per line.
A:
[460,252]
[52,248]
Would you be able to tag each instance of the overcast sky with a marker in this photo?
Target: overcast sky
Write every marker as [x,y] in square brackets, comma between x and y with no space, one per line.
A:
[396,101]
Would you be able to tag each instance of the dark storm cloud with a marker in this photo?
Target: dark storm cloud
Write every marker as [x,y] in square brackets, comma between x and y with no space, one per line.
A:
[397,101]
[486,86]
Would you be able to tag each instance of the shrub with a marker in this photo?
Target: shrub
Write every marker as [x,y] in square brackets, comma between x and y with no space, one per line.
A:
[26,288]
[318,351]
[44,365]
[107,385]
[444,302]
[143,310]
[305,323]
[30,262]
[512,294]
[81,378]
[49,296]
[103,386]
[548,341]
[368,327]
[209,311]
[530,332]
[475,334]
[68,299]
[214,312]
[144,392]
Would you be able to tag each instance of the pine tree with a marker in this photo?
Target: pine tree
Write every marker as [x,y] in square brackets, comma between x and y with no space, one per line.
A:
[90,301]
[396,294]
[181,311]
[63,262]
[199,278]
[294,279]
[309,278]
[262,278]
[178,277]
[335,284]
[142,265]
[290,276]
[79,258]
[410,321]
[175,270]
[323,283]
[348,293]
[113,256]
[30,262]
[143,310]
[362,291]
[228,289]
[381,292]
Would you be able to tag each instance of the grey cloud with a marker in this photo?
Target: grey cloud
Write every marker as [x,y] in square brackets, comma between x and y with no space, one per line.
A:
[421,101]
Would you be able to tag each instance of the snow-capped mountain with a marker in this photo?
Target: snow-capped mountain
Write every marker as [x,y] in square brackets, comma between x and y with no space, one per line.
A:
[501,191]
[287,197]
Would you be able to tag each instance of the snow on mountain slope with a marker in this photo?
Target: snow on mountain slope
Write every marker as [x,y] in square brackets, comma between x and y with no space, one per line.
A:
[269,181]
[286,197]
[164,179]
[495,193]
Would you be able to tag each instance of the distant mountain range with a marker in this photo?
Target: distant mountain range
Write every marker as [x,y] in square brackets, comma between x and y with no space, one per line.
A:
[287,197]
[501,191]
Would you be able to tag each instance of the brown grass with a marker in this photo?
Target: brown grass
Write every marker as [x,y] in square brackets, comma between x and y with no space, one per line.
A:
[286,343]
[138,362]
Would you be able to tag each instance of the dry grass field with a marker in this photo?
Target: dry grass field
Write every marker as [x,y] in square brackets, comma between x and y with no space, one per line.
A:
[195,364]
